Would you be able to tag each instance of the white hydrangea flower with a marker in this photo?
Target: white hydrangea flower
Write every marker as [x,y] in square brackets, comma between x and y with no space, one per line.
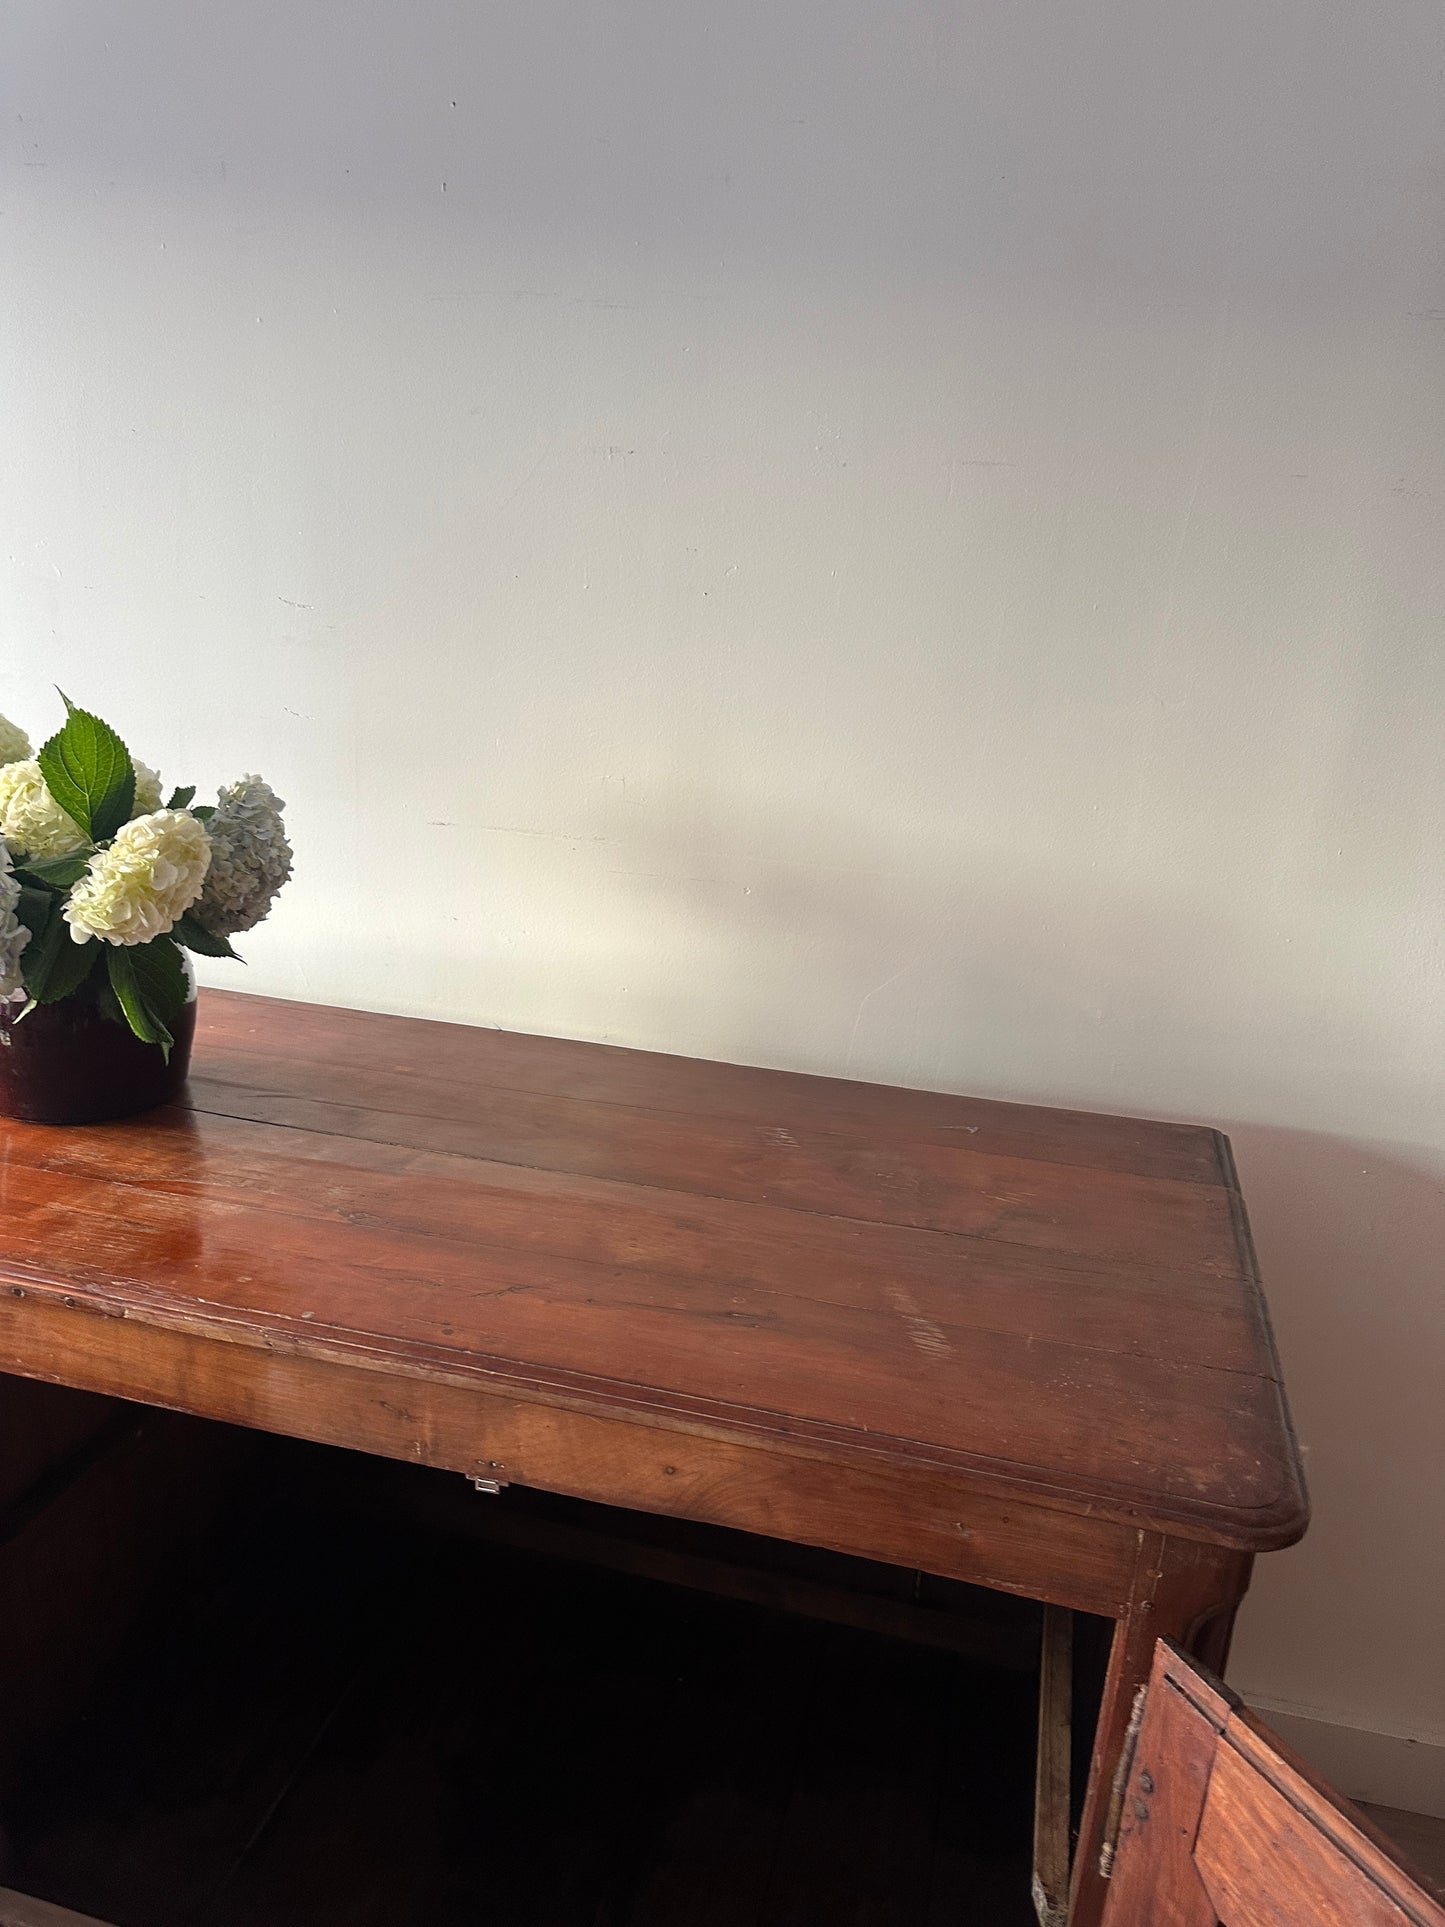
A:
[14,743]
[30,818]
[13,934]
[149,876]
[147,789]
[250,857]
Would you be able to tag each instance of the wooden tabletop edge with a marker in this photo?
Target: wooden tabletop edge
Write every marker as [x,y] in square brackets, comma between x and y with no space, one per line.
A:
[1276,1521]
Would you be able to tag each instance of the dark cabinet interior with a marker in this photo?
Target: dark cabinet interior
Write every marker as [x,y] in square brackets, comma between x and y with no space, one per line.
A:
[248,1682]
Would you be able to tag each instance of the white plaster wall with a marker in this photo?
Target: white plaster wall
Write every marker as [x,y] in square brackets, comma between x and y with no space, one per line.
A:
[892,536]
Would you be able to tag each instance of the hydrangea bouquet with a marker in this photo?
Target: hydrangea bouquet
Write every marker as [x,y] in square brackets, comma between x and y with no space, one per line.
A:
[102,886]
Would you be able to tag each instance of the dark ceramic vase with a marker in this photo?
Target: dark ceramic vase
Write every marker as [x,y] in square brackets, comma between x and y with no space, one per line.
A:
[70,1063]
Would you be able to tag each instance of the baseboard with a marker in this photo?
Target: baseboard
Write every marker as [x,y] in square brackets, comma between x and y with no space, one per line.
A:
[1384,1768]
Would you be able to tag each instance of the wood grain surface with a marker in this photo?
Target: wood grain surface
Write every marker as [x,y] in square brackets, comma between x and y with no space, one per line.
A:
[1037,1302]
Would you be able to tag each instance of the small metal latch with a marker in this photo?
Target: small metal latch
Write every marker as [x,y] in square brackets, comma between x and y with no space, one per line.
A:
[487,1485]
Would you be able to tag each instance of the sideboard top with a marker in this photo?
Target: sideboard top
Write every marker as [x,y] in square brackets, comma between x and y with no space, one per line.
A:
[1049,1302]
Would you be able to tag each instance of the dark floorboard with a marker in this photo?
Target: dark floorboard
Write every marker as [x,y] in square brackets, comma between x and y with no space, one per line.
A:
[348,1722]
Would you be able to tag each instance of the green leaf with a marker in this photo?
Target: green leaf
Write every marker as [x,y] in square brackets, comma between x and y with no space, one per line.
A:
[108,1004]
[53,964]
[138,1014]
[190,931]
[161,972]
[87,769]
[149,981]
[205,811]
[73,964]
[35,909]
[58,872]
[180,798]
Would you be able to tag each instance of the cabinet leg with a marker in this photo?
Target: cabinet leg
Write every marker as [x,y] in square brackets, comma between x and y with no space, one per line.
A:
[1052,1772]
[1181,1591]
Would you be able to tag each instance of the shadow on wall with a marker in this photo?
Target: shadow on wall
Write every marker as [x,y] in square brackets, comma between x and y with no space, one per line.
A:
[1350,1237]
[898,946]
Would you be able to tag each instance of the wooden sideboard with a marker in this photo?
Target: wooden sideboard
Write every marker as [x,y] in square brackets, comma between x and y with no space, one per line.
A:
[1020,1347]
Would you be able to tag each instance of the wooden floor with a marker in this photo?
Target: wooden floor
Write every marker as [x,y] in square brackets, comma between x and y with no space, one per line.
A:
[339,1720]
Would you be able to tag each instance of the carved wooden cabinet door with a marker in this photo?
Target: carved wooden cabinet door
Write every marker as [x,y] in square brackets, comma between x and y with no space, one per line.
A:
[1220,1826]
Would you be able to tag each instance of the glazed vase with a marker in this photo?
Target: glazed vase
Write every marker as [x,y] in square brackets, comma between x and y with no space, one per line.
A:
[73,1063]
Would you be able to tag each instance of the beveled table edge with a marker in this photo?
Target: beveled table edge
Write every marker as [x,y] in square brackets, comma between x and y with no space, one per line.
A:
[1275,1523]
